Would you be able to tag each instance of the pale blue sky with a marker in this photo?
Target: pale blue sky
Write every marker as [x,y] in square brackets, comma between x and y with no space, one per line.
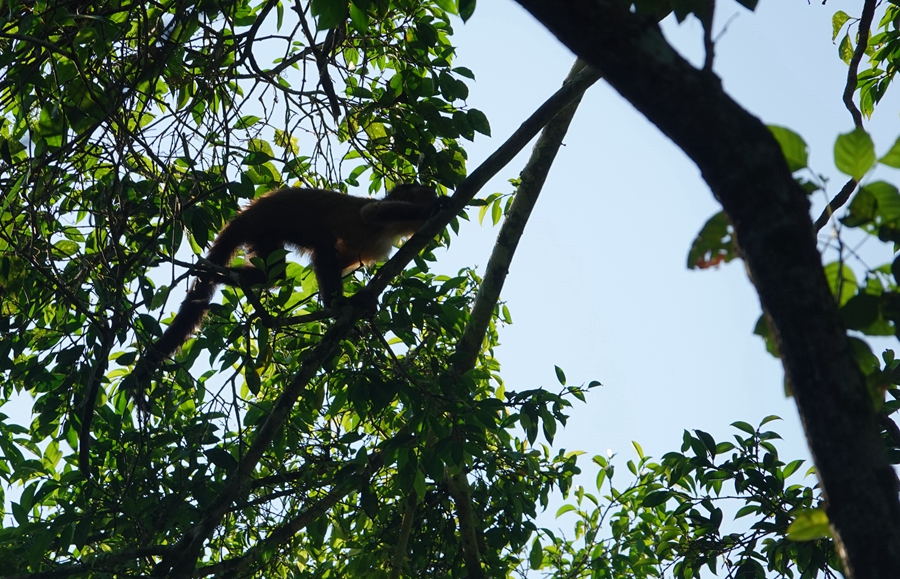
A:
[599,284]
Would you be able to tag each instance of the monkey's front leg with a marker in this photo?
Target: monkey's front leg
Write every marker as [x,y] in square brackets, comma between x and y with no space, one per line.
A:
[329,269]
[327,266]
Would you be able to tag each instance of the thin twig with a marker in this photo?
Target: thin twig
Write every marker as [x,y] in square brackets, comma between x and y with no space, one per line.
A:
[862,42]
[708,44]
[835,203]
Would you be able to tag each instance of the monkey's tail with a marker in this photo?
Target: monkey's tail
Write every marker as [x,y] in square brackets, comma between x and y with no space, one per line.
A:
[189,317]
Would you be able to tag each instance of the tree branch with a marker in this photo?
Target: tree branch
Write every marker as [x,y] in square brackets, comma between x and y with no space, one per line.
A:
[458,487]
[480,176]
[398,562]
[862,42]
[533,177]
[281,535]
[838,201]
[181,562]
[532,181]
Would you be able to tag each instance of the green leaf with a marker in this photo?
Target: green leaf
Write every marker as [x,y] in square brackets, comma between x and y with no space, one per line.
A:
[860,311]
[246,121]
[601,477]
[221,458]
[368,500]
[353,177]
[565,509]
[257,158]
[419,483]
[868,361]
[496,212]
[12,273]
[845,50]
[854,153]
[708,441]
[792,467]
[479,122]
[447,5]
[637,449]
[656,498]
[548,424]
[837,22]
[793,147]
[698,447]
[66,248]
[740,425]
[536,558]
[762,330]
[724,447]
[887,198]
[746,510]
[892,157]
[251,379]
[560,375]
[768,419]
[284,140]
[713,245]
[359,18]
[466,9]
[328,13]
[862,209]
[809,524]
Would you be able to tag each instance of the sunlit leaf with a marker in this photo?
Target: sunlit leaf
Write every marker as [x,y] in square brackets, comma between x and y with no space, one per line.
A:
[793,147]
[837,23]
[854,153]
[809,524]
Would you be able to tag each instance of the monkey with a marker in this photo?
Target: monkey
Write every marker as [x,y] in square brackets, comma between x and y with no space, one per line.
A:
[339,233]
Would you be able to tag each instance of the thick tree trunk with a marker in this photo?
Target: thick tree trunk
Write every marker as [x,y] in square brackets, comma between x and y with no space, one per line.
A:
[747,173]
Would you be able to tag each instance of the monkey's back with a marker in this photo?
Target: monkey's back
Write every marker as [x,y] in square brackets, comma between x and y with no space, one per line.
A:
[301,217]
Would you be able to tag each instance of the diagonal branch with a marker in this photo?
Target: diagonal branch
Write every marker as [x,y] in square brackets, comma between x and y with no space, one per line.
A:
[181,562]
[480,176]
[838,201]
[533,177]
[532,181]
[281,535]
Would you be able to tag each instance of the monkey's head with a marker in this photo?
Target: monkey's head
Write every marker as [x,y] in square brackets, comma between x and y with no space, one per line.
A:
[412,193]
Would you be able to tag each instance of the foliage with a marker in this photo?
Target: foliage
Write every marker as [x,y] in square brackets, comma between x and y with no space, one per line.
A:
[670,521]
[129,134]
[868,305]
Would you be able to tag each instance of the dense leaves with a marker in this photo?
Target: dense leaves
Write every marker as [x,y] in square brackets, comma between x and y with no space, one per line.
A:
[672,519]
[129,134]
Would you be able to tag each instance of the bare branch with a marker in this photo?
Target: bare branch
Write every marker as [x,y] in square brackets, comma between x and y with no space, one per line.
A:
[838,201]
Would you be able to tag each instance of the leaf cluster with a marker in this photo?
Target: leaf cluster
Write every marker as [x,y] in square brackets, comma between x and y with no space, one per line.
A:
[672,520]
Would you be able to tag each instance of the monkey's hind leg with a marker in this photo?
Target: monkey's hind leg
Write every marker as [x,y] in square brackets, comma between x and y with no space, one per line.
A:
[250,274]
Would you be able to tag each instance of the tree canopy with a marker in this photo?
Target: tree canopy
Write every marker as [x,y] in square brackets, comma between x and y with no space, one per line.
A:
[291,439]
